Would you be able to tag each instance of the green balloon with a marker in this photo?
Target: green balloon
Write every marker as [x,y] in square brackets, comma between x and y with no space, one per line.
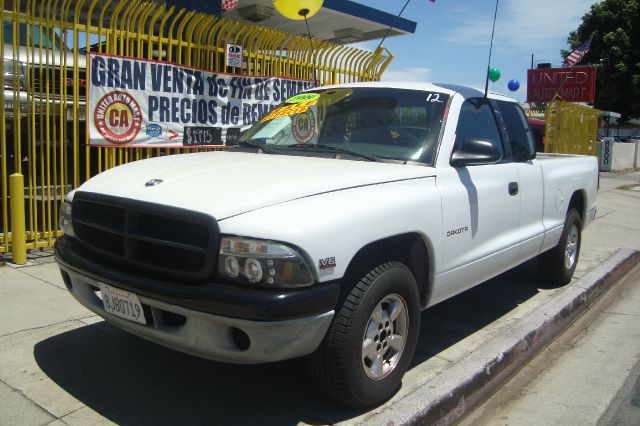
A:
[494,74]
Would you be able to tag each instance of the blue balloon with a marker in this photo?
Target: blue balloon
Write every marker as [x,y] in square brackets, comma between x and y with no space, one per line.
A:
[513,85]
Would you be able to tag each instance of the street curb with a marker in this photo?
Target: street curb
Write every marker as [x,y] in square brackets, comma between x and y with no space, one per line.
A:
[447,397]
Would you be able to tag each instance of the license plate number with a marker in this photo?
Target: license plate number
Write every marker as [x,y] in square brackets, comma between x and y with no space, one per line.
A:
[121,303]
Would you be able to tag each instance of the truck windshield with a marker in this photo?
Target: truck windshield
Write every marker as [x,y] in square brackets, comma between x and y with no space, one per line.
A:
[380,123]
[38,36]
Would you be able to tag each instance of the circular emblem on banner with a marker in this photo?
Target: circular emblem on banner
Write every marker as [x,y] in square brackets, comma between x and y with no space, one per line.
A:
[117,117]
[154,130]
[303,127]
[302,97]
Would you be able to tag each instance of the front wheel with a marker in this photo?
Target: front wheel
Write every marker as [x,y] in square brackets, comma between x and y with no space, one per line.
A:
[558,264]
[372,339]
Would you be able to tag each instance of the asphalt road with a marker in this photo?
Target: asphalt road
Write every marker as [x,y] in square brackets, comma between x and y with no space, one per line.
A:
[625,408]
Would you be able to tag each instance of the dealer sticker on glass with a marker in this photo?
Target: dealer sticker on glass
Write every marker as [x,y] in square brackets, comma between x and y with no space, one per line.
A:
[121,303]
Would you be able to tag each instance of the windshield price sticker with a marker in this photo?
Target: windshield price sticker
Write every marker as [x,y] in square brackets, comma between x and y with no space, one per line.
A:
[304,127]
[303,97]
[298,108]
[121,303]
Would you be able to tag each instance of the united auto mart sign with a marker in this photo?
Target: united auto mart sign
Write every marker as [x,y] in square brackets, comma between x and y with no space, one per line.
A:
[576,84]
[138,103]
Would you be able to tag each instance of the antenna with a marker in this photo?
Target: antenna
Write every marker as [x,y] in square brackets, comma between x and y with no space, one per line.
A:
[392,24]
[486,81]
[304,13]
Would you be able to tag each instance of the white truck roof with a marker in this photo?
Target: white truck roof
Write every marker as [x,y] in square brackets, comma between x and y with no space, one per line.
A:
[451,89]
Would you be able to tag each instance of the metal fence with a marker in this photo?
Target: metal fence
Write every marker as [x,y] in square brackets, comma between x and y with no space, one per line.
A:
[570,128]
[44,46]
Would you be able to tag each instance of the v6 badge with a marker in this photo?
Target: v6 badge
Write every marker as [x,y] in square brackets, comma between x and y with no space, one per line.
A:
[328,263]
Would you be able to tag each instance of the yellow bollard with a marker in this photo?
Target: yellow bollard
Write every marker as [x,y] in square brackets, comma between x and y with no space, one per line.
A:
[18,233]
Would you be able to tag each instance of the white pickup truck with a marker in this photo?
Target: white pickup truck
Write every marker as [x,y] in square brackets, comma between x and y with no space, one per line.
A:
[334,222]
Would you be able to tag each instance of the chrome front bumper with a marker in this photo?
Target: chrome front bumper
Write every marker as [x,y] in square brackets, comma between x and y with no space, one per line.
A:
[205,335]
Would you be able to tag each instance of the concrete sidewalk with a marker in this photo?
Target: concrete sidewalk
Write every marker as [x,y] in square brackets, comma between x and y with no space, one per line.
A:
[60,364]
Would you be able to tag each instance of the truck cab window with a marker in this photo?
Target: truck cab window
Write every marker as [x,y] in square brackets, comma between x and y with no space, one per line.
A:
[38,36]
[520,137]
[477,121]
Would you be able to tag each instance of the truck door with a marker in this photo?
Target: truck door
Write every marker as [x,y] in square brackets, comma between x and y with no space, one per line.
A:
[530,185]
[481,208]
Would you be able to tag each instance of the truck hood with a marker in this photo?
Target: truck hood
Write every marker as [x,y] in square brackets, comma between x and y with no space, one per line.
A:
[54,57]
[225,184]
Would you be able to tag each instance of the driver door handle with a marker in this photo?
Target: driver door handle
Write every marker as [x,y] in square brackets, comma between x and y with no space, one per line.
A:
[513,188]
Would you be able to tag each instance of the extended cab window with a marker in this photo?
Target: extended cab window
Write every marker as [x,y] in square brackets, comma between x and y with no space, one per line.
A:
[477,122]
[520,138]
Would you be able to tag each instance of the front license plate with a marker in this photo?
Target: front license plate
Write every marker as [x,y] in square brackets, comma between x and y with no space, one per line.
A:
[121,303]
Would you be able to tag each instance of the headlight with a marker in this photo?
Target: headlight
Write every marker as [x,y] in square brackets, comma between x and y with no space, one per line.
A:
[262,263]
[11,69]
[65,223]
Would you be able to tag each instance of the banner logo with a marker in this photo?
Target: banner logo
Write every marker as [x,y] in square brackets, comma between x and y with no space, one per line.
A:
[117,117]
[154,130]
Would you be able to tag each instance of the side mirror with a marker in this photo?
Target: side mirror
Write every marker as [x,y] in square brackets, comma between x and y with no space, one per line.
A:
[475,152]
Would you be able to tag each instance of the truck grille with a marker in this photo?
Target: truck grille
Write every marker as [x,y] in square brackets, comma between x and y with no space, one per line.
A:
[53,81]
[156,240]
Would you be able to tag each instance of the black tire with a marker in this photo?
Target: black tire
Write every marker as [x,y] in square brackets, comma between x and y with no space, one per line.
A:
[340,367]
[555,265]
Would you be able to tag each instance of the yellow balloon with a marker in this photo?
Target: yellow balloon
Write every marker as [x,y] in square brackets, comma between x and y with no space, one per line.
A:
[295,9]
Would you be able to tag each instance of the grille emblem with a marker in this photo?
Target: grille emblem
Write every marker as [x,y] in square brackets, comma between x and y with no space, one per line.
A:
[153,182]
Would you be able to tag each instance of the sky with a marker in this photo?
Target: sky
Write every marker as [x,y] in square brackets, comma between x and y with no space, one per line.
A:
[451,42]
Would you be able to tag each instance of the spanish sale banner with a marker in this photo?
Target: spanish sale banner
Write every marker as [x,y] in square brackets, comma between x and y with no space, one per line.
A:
[145,103]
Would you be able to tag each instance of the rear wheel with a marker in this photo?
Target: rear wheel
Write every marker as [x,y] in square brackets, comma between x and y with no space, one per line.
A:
[558,264]
[372,339]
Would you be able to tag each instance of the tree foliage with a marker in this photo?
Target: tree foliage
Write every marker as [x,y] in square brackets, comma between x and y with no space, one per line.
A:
[614,26]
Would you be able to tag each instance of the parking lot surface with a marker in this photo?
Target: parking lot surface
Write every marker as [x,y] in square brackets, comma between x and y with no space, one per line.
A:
[61,364]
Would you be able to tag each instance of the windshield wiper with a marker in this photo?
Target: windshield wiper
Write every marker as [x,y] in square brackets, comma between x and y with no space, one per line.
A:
[323,148]
[260,146]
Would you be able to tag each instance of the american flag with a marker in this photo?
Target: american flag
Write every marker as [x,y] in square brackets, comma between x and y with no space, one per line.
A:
[577,55]
[228,5]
